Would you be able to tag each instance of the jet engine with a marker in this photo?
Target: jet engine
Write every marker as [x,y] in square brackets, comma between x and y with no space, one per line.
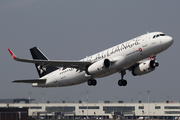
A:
[145,67]
[98,66]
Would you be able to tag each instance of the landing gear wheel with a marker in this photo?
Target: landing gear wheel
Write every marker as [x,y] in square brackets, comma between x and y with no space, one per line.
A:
[122,82]
[89,82]
[92,82]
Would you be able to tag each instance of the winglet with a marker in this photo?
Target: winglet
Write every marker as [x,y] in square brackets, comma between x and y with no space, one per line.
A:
[12,54]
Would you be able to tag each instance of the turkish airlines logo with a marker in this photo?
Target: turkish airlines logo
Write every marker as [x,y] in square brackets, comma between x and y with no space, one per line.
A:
[140,49]
[41,69]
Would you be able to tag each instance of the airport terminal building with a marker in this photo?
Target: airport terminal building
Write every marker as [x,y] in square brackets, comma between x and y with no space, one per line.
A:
[101,110]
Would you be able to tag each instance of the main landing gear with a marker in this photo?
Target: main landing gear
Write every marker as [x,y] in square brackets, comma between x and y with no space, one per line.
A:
[122,82]
[92,82]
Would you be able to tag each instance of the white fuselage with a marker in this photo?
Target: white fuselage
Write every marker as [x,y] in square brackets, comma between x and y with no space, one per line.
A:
[124,55]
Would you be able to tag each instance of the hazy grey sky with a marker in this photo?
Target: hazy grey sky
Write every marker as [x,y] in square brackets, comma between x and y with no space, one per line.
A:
[73,29]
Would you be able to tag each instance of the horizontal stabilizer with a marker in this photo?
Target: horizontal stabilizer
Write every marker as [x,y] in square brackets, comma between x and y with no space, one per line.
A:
[30,81]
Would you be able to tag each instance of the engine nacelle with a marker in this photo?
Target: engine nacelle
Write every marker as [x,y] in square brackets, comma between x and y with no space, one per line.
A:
[145,67]
[98,66]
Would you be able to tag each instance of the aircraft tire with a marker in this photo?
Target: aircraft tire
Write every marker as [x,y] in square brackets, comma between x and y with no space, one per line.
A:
[122,82]
[92,82]
[89,82]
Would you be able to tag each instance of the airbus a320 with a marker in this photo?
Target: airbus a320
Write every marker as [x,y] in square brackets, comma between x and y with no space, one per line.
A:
[129,55]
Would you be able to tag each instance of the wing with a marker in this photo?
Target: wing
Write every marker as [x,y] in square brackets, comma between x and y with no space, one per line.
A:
[79,65]
[30,81]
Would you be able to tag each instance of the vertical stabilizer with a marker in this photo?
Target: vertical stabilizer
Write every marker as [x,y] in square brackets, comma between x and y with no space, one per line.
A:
[42,70]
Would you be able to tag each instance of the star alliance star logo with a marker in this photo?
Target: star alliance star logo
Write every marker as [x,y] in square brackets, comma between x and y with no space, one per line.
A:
[41,69]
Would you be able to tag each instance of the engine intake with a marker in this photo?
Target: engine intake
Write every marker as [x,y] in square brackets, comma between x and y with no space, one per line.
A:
[145,67]
[154,64]
[98,66]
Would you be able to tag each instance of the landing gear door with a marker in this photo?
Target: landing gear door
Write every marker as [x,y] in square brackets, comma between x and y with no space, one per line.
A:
[144,40]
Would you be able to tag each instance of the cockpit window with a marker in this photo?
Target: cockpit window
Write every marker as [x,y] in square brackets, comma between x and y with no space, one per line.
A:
[162,34]
[155,36]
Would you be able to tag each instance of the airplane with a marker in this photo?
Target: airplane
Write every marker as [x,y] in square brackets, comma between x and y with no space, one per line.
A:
[131,55]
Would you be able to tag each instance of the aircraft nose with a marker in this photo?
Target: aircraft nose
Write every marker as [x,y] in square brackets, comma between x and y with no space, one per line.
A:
[169,40]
